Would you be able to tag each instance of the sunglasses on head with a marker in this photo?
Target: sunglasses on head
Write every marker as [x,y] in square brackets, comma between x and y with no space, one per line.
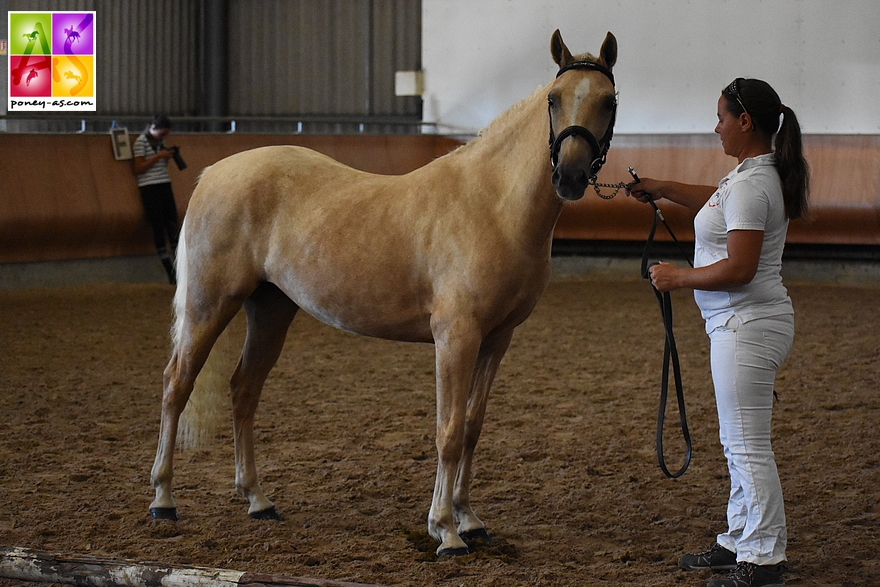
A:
[733,90]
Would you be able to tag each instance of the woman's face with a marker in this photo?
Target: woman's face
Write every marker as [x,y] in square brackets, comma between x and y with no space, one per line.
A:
[730,129]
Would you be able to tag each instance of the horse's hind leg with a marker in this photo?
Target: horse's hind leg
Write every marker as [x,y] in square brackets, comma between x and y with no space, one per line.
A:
[269,314]
[470,528]
[194,341]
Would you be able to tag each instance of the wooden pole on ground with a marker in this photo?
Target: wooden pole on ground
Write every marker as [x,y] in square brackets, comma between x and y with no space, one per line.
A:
[25,564]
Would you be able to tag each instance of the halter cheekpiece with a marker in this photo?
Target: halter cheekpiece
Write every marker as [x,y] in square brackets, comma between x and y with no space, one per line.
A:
[599,146]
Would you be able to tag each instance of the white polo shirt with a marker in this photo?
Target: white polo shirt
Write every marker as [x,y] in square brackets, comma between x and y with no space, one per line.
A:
[748,198]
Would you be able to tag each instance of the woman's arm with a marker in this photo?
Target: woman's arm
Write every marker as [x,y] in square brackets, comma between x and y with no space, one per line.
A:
[688,195]
[142,164]
[739,268]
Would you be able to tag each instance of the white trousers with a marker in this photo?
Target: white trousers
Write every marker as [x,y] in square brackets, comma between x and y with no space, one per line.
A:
[745,358]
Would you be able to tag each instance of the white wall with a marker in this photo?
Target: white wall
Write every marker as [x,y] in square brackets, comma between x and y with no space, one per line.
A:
[675,57]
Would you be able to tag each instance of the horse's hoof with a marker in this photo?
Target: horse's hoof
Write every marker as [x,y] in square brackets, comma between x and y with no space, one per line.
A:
[479,536]
[267,514]
[164,514]
[460,551]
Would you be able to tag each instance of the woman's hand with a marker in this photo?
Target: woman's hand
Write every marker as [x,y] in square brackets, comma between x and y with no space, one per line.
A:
[664,276]
[142,164]
[645,190]
[738,269]
[688,195]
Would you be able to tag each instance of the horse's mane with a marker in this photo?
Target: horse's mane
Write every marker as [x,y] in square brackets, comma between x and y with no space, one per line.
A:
[501,120]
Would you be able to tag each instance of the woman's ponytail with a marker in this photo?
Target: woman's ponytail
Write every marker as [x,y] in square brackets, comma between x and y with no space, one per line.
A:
[791,165]
[762,103]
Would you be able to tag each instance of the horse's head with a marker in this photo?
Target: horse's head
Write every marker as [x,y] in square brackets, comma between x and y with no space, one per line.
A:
[582,105]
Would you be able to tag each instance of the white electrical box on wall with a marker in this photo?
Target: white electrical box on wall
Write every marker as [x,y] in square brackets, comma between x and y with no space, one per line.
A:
[409,83]
[121,144]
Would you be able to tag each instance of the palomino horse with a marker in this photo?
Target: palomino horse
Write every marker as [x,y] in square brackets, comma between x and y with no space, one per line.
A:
[455,253]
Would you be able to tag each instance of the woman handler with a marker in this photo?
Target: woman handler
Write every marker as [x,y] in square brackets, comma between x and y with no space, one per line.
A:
[740,232]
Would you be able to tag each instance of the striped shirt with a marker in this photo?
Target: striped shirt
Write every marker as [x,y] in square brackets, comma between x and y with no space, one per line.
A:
[158,173]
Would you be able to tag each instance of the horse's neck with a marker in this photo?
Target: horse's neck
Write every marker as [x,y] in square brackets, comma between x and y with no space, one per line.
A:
[514,152]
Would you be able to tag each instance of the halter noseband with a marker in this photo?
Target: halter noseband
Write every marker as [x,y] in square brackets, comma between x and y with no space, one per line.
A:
[599,147]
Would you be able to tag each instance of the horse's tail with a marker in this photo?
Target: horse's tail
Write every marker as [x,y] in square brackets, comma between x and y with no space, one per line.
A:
[207,407]
[202,174]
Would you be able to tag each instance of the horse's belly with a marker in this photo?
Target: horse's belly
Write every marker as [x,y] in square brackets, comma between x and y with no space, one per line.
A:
[380,306]
[405,331]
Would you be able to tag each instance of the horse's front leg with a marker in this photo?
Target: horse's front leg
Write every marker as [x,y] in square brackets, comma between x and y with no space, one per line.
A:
[469,526]
[456,348]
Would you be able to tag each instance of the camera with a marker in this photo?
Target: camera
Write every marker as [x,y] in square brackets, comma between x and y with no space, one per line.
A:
[178,160]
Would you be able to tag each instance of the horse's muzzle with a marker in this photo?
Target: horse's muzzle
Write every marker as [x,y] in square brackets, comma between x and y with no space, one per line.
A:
[570,181]
[571,172]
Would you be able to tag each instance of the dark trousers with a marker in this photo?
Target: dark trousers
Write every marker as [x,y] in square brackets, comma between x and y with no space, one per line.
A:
[161,212]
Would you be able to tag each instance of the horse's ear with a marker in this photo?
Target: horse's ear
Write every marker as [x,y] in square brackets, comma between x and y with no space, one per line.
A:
[561,54]
[608,53]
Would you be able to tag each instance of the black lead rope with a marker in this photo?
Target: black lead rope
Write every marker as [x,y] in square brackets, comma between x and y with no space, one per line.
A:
[670,352]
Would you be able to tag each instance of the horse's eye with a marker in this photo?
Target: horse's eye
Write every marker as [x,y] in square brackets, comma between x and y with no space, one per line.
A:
[551,101]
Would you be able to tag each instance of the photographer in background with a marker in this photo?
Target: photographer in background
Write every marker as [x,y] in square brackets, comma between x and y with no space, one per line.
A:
[151,168]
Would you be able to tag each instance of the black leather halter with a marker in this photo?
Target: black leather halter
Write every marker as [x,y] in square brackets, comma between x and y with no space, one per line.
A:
[600,147]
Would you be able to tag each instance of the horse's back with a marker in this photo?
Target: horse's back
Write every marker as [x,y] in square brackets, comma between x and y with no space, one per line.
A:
[247,195]
[258,169]
[331,237]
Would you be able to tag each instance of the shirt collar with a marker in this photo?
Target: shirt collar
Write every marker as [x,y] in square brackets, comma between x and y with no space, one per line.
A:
[752,162]
[749,163]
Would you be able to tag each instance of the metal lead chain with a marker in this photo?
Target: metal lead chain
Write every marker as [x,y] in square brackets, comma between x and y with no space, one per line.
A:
[617,186]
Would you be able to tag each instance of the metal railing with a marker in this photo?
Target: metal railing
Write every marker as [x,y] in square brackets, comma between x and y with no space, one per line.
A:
[36,123]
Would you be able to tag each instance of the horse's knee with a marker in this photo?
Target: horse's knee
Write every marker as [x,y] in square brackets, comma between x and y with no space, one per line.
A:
[449,443]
